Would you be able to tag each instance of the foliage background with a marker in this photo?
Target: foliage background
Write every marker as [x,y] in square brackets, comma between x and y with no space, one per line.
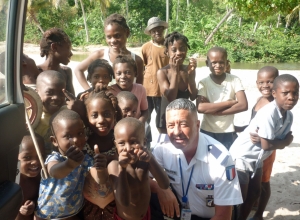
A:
[196,20]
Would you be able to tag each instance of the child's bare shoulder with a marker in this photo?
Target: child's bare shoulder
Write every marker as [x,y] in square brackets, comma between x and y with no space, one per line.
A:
[112,167]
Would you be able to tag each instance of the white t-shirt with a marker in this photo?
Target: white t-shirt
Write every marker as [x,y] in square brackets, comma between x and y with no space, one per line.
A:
[216,93]
[212,165]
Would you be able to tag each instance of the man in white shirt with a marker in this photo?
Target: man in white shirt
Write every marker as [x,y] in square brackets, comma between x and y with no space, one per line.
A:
[200,169]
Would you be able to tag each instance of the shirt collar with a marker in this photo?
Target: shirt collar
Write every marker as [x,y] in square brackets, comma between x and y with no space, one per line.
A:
[288,116]
[202,149]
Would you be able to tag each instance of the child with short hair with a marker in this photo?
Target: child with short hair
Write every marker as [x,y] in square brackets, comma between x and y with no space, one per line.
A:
[30,169]
[128,104]
[125,69]
[100,74]
[61,194]
[129,175]
[175,80]
[116,33]
[49,86]
[56,46]
[154,57]
[29,71]
[265,79]
[220,96]
[273,124]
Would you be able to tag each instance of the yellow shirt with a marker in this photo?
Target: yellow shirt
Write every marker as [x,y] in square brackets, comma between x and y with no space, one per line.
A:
[154,59]
[44,130]
[216,93]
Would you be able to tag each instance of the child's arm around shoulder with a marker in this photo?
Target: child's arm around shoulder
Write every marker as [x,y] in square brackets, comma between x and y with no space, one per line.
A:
[118,176]
[275,144]
[156,170]
[60,170]
[83,66]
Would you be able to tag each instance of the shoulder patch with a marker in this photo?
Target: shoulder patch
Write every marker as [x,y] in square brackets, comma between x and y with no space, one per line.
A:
[230,172]
[218,154]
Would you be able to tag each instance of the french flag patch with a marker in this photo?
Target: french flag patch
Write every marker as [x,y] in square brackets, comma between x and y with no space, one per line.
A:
[230,172]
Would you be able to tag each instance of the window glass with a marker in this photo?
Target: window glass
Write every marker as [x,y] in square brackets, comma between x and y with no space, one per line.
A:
[3,23]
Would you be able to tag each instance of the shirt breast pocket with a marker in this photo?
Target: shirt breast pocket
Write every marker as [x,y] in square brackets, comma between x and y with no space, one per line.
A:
[204,190]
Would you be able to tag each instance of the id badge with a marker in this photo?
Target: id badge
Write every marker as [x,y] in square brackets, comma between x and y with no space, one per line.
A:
[186,214]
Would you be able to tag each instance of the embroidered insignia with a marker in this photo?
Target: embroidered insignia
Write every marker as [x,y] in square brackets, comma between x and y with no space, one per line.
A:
[205,186]
[230,172]
[214,151]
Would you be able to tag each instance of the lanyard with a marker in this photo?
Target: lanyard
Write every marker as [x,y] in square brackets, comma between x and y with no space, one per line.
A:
[184,197]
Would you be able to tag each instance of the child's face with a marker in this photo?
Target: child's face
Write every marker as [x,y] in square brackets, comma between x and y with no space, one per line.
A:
[68,129]
[177,49]
[29,161]
[100,78]
[217,63]
[129,108]
[127,137]
[101,116]
[286,95]
[157,34]
[51,94]
[64,53]
[124,75]
[116,36]
[264,83]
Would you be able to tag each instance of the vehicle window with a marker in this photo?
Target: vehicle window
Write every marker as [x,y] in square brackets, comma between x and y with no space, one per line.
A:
[3,24]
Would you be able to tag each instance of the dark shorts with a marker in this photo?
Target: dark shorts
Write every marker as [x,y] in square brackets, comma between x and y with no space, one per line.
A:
[245,175]
[226,139]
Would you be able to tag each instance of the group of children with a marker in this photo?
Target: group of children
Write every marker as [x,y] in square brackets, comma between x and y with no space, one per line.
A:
[95,146]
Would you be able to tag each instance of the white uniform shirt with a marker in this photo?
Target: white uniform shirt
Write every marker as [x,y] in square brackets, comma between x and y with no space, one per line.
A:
[209,176]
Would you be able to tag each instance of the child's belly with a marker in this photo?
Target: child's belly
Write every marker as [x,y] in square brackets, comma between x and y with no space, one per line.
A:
[97,195]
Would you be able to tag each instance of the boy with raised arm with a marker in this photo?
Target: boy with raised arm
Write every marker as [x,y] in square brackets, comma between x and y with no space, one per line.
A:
[220,96]
[273,124]
[130,175]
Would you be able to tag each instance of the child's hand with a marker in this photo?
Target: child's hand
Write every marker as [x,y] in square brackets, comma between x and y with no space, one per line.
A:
[254,137]
[124,159]
[174,62]
[192,66]
[75,155]
[288,138]
[142,153]
[203,99]
[100,160]
[74,103]
[27,208]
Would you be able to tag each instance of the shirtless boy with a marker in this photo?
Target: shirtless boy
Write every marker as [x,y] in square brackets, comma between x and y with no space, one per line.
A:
[129,175]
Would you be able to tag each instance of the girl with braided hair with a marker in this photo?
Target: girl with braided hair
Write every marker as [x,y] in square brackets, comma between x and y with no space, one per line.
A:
[116,33]
[175,80]
[102,114]
[55,45]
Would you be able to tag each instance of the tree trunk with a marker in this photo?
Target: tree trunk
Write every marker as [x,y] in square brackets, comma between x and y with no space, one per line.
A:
[36,22]
[177,11]
[187,2]
[255,27]
[85,24]
[167,14]
[240,22]
[126,9]
[76,3]
[208,39]
[278,21]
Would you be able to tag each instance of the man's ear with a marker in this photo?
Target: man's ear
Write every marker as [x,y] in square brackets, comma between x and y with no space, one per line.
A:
[198,125]
[54,141]
[206,61]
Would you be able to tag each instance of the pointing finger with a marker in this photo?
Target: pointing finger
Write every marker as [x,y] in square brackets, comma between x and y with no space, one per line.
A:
[68,95]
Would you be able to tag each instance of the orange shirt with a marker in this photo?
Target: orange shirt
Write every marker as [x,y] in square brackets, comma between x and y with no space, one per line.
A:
[154,59]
